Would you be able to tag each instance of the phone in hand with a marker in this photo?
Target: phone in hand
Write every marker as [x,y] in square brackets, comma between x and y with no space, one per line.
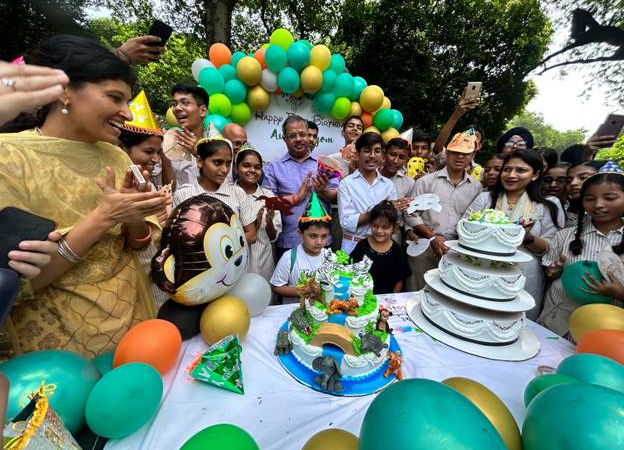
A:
[162,30]
[137,174]
[17,226]
[612,126]
[473,90]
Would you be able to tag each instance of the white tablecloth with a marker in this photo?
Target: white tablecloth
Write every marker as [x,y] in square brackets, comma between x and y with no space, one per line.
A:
[282,414]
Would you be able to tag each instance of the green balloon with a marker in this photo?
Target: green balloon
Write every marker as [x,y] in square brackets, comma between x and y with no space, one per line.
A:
[211,80]
[228,72]
[344,85]
[323,102]
[572,282]
[288,80]
[341,108]
[337,63]
[397,119]
[594,369]
[219,104]
[124,400]
[275,58]
[575,416]
[383,119]
[217,120]
[298,56]
[235,90]
[104,362]
[241,113]
[221,437]
[306,43]
[236,57]
[73,375]
[423,414]
[329,80]
[543,382]
[359,84]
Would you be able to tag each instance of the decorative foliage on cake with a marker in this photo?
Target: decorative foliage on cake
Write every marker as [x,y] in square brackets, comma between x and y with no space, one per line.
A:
[489,215]
[304,324]
[478,262]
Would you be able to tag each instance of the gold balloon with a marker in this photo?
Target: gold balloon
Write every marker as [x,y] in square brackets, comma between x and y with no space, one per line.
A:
[371,98]
[258,99]
[222,317]
[320,57]
[332,439]
[372,129]
[390,133]
[171,119]
[491,406]
[386,103]
[249,70]
[595,316]
[356,109]
[311,79]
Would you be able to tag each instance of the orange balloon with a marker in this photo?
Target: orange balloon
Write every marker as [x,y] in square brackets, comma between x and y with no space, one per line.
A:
[609,343]
[155,342]
[219,54]
[367,118]
[259,55]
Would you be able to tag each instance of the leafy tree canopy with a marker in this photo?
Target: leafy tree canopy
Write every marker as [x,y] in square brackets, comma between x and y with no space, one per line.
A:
[544,134]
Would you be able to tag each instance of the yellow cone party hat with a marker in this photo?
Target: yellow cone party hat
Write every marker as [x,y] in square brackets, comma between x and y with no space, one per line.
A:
[142,118]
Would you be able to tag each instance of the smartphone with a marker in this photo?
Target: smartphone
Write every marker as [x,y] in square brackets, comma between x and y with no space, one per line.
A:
[17,226]
[162,30]
[137,173]
[473,90]
[612,126]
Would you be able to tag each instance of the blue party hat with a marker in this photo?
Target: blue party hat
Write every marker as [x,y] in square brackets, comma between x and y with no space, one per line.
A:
[611,167]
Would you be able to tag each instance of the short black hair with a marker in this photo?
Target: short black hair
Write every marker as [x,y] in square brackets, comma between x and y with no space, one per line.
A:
[368,140]
[344,124]
[130,139]
[573,154]
[208,148]
[419,135]
[312,125]
[308,223]
[386,210]
[550,155]
[292,119]
[198,93]
[399,143]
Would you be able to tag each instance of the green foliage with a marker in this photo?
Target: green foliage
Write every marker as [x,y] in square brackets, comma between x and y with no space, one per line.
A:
[423,52]
[342,257]
[615,153]
[155,78]
[356,343]
[370,328]
[546,135]
[369,305]
[320,305]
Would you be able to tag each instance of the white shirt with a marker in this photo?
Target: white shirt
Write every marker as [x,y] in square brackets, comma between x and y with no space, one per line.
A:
[356,196]
[286,274]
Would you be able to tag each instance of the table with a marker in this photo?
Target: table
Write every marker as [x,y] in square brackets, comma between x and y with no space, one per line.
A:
[282,414]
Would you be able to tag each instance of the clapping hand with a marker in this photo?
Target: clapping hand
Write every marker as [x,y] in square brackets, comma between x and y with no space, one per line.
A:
[319,183]
[401,204]
[187,140]
[555,270]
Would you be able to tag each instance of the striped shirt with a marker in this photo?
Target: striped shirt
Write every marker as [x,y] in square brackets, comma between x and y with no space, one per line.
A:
[557,305]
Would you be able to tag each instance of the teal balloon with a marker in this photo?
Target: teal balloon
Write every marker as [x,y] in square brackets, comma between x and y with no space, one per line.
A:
[329,80]
[235,90]
[344,85]
[323,102]
[397,119]
[228,72]
[359,84]
[341,108]
[298,56]
[572,282]
[104,362]
[337,63]
[219,104]
[236,57]
[124,400]
[306,43]
[542,382]
[217,120]
[383,119]
[288,80]
[575,416]
[420,414]
[221,437]
[211,80]
[73,375]
[275,58]
[594,369]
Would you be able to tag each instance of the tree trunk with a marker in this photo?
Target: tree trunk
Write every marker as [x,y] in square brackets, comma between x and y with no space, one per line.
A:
[218,21]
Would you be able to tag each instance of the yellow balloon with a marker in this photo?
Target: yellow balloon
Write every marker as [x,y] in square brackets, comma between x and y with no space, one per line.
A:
[371,98]
[320,56]
[492,407]
[356,109]
[595,316]
[222,317]
[258,99]
[332,438]
[390,133]
[171,119]
[249,70]
[386,103]
[372,129]
[311,79]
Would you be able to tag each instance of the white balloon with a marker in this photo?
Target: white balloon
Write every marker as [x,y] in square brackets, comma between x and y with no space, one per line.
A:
[268,80]
[198,65]
[255,291]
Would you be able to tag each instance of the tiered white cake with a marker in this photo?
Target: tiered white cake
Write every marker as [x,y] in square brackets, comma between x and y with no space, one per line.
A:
[475,301]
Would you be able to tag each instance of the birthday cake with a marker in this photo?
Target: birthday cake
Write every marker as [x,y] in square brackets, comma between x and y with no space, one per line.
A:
[490,231]
[490,280]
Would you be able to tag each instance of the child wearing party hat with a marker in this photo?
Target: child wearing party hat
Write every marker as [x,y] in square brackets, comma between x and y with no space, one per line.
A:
[305,257]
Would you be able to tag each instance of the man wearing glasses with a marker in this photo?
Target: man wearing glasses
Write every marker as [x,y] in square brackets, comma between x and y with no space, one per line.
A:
[518,138]
[292,176]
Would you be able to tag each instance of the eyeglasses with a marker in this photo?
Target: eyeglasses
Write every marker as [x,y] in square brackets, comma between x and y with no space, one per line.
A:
[292,136]
[558,180]
[184,103]
[370,151]
[511,144]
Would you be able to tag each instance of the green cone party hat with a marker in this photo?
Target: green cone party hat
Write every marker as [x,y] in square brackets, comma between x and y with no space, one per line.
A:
[314,211]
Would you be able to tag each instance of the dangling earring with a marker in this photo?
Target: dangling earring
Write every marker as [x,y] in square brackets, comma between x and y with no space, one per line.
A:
[65,110]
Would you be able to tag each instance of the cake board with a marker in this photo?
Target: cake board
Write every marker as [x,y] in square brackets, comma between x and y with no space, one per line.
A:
[518,257]
[351,388]
[526,347]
